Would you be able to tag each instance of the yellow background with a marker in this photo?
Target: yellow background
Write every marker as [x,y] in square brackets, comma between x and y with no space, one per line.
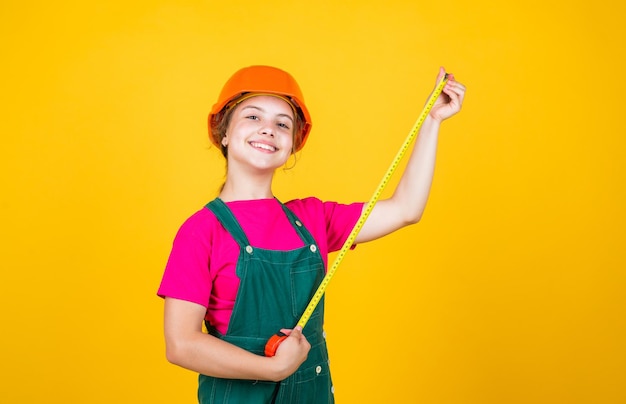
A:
[511,289]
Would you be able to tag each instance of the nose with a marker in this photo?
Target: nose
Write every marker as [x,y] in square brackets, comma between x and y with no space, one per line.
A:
[266,130]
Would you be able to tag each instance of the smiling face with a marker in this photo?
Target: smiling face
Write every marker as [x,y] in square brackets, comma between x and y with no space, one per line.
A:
[260,133]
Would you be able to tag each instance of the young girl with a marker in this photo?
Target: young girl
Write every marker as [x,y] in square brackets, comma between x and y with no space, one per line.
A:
[247,264]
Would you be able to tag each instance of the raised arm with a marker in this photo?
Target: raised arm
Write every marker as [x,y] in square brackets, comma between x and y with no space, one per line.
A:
[187,346]
[408,201]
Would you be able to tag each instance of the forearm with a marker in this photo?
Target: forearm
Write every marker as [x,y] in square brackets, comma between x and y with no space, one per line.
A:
[212,356]
[411,195]
[187,346]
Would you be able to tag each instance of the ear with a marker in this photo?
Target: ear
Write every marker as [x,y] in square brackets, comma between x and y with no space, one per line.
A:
[225,141]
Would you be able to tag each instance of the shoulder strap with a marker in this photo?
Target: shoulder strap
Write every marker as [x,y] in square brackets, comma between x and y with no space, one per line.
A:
[230,223]
[297,224]
[228,220]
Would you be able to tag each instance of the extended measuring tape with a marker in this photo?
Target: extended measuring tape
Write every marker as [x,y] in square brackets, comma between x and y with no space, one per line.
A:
[276,339]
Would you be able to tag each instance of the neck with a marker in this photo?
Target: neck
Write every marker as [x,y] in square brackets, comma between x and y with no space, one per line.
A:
[239,187]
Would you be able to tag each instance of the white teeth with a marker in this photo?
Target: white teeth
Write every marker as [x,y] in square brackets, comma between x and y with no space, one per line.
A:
[263,146]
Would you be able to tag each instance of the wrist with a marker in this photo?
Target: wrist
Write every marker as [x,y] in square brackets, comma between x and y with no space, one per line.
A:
[277,371]
[430,125]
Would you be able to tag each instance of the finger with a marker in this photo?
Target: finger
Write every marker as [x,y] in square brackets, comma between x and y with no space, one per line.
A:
[453,98]
[454,88]
[450,91]
[440,75]
[452,83]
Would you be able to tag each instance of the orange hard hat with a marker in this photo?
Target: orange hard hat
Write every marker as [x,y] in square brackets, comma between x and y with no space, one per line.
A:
[262,80]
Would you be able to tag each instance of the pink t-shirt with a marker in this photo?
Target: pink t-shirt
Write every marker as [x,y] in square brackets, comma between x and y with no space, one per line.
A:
[201,265]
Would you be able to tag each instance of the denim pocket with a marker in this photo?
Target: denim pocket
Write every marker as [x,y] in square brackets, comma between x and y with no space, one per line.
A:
[304,283]
[212,390]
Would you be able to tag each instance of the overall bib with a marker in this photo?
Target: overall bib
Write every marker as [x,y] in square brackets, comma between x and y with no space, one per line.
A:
[275,288]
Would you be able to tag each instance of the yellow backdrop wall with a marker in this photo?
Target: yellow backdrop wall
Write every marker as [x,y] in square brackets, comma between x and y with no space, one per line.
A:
[511,289]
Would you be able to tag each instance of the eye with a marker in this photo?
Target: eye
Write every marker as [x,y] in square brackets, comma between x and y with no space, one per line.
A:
[283,125]
[253,117]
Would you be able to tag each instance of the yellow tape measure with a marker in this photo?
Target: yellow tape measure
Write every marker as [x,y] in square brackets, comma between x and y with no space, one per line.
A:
[273,343]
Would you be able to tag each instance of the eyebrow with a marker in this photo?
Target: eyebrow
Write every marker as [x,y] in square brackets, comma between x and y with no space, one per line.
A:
[262,110]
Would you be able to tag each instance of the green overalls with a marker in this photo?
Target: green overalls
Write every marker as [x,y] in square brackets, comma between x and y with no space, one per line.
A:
[275,288]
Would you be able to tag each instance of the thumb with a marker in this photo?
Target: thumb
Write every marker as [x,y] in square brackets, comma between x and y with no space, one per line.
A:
[297,332]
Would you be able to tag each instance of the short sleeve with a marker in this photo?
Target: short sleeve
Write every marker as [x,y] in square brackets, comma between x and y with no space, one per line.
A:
[340,220]
[186,274]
